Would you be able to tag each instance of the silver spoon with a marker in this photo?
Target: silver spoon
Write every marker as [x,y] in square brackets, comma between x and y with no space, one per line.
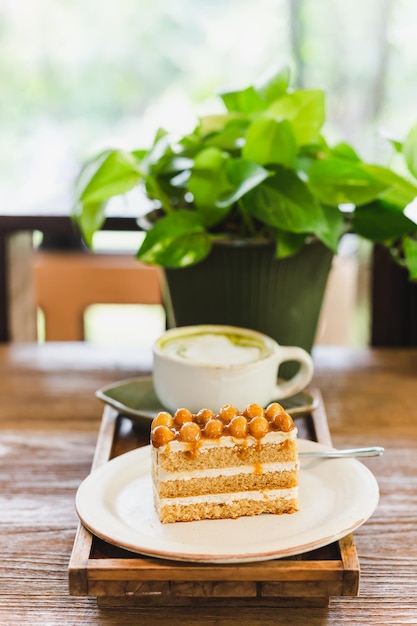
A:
[336,454]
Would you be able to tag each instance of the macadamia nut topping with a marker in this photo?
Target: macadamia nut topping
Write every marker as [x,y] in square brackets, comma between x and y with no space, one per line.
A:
[254,421]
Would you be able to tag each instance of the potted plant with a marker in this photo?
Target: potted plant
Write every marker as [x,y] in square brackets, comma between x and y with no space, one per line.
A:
[256,180]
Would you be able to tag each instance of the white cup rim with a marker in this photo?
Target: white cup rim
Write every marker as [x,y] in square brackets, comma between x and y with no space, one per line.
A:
[271,344]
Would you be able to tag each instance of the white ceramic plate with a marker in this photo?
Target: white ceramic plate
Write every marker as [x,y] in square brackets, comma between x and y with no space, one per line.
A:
[336,496]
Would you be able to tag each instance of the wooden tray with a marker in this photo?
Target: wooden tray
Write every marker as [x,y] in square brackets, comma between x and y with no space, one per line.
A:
[121,578]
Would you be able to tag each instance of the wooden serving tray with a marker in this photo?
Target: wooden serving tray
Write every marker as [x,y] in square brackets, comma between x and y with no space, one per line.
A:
[121,578]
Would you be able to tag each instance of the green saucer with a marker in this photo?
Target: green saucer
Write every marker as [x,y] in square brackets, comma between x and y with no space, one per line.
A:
[136,398]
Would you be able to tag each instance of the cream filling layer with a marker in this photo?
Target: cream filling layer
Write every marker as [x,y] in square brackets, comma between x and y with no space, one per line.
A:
[229,498]
[163,475]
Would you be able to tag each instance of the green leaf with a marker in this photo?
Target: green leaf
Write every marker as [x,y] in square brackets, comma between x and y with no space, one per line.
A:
[210,158]
[270,141]
[273,85]
[90,218]
[156,190]
[396,143]
[117,174]
[410,150]
[333,228]
[231,137]
[243,176]
[190,143]
[288,244]
[381,222]
[207,182]
[158,156]
[88,170]
[343,150]
[410,251]
[218,123]
[139,154]
[177,240]
[243,101]
[399,191]
[286,203]
[339,181]
[305,110]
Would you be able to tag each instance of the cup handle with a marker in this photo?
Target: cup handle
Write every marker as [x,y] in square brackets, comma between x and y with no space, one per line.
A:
[301,379]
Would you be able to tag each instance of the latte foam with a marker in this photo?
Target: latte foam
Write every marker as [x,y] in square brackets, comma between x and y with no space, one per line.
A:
[215,349]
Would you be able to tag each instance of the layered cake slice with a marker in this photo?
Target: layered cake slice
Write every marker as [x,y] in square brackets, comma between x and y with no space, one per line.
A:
[207,466]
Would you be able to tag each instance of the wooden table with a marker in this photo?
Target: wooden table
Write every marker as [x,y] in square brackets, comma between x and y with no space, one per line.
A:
[49,421]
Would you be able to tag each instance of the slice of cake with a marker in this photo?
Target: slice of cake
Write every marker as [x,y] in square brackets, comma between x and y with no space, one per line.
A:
[208,466]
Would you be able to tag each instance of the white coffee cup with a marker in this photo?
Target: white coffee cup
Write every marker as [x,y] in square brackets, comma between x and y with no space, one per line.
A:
[207,366]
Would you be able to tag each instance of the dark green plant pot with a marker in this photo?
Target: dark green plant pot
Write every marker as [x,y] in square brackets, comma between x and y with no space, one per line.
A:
[243,284]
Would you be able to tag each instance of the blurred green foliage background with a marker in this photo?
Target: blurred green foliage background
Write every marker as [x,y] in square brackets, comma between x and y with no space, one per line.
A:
[79,75]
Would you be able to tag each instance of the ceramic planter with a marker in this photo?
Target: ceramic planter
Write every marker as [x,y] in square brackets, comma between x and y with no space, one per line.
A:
[243,284]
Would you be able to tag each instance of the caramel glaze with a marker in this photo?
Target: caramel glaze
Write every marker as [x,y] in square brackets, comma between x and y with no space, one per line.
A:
[186,427]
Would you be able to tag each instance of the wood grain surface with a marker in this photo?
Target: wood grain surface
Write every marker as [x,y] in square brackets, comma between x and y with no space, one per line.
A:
[49,421]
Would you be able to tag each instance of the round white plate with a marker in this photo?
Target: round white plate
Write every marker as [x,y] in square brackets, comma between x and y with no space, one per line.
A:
[336,496]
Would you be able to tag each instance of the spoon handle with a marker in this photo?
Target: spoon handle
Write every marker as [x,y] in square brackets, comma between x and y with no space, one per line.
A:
[352,452]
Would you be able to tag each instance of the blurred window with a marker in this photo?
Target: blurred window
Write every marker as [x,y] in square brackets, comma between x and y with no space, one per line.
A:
[80,75]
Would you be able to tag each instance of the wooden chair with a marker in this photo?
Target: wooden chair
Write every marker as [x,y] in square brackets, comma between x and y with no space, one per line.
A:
[67,282]
[394,303]
[17,294]
[62,278]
